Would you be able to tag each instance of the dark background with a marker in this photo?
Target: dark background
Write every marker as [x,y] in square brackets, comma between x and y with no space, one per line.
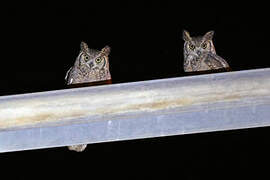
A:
[40,42]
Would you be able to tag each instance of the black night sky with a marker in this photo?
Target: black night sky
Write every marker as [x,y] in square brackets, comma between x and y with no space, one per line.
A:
[40,42]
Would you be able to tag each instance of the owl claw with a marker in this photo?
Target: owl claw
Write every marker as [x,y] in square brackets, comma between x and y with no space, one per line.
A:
[77,148]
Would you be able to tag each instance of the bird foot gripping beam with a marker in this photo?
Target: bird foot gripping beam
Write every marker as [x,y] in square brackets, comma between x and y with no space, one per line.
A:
[175,106]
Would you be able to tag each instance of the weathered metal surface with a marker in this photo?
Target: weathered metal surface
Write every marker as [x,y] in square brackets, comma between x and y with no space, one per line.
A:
[193,104]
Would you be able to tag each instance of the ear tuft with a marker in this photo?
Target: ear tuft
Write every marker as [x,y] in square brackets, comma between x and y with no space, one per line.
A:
[84,46]
[186,36]
[209,35]
[106,50]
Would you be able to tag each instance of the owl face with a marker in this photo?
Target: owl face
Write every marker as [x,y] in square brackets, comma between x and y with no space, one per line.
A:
[90,66]
[198,46]
[93,60]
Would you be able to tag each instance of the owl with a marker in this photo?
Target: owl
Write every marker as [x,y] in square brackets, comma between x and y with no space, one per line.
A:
[200,53]
[91,66]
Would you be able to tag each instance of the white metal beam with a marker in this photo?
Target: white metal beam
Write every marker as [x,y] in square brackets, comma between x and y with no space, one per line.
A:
[193,104]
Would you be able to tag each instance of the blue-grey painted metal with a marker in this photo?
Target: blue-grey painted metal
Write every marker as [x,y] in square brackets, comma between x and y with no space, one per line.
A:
[175,106]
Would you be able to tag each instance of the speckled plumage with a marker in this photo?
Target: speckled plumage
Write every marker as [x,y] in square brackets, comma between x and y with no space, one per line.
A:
[200,53]
[90,66]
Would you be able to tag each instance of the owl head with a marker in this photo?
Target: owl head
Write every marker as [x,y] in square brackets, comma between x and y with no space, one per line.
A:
[197,46]
[92,59]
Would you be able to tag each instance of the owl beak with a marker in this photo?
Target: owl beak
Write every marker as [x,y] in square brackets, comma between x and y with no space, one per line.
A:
[90,65]
[198,53]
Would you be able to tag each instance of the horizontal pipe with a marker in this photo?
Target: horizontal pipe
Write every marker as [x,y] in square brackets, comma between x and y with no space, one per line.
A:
[192,104]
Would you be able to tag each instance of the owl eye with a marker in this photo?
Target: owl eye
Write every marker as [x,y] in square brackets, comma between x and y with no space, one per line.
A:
[98,60]
[86,57]
[191,46]
[204,45]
